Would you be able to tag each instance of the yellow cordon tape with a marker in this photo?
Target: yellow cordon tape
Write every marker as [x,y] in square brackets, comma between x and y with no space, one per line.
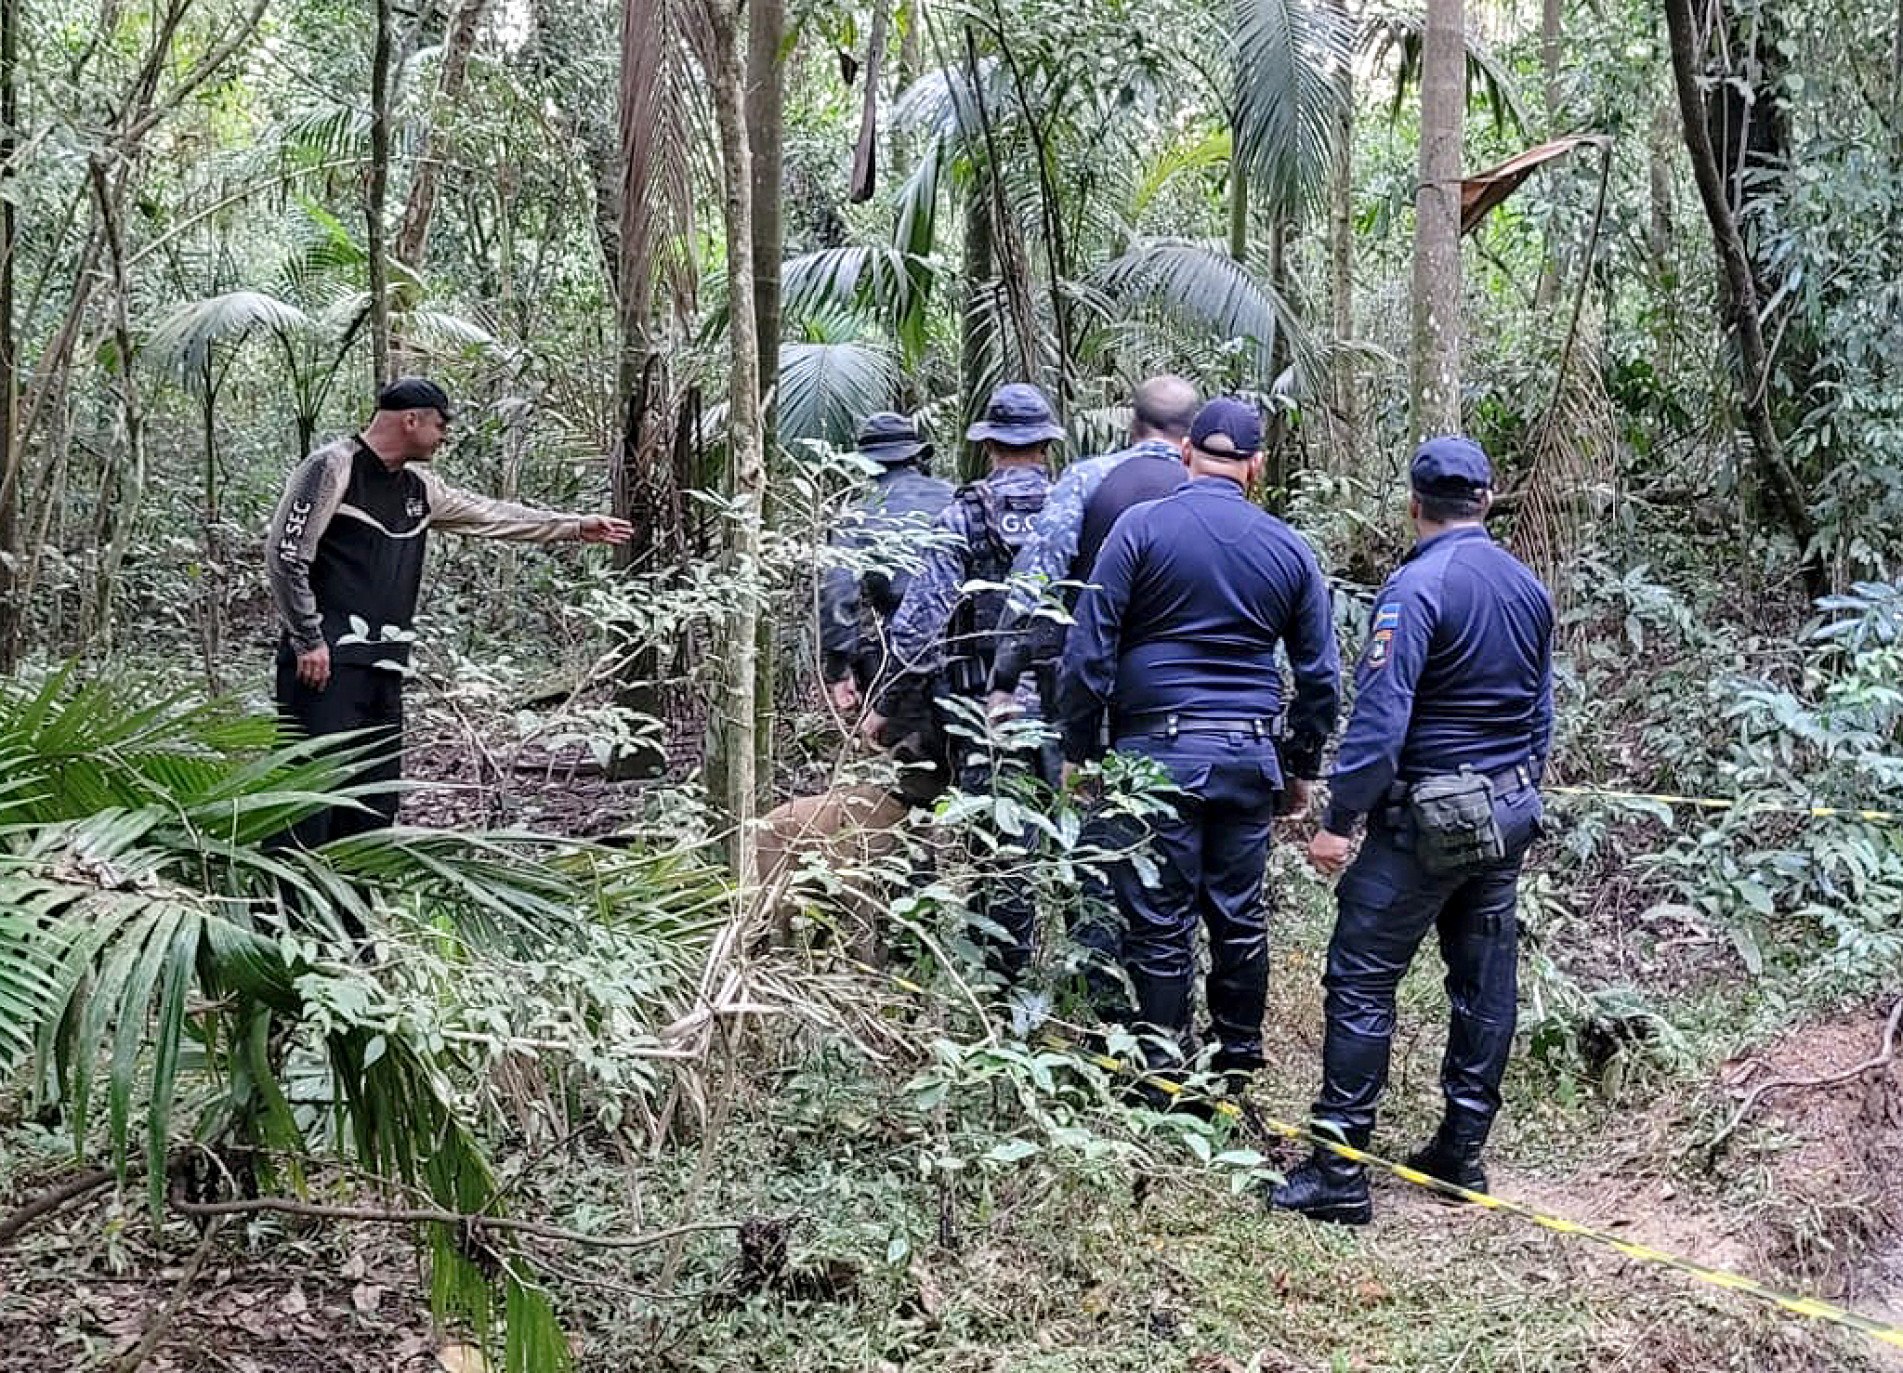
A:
[1719,803]
[1809,1307]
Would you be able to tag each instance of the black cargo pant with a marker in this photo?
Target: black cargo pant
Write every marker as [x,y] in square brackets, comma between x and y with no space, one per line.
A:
[1386,905]
[1211,855]
[357,698]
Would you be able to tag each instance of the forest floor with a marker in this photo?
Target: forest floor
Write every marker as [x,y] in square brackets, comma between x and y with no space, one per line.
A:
[1061,1267]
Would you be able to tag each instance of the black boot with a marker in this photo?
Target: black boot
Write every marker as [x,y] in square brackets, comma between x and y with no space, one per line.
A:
[1453,1155]
[1328,1187]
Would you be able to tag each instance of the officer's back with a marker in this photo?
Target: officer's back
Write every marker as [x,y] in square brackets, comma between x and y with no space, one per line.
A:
[1216,584]
[1457,672]
[1483,678]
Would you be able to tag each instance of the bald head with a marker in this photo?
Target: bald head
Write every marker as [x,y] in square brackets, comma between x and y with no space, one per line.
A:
[1164,408]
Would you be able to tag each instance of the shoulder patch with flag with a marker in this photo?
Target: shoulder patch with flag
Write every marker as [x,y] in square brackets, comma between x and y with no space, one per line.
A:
[1388,616]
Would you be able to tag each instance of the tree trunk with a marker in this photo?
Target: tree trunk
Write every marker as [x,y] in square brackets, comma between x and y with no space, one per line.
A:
[376,194]
[1661,200]
[642,381]
[1238,199]
[419,205]
[412,236]
[1546,294]
[1739,293]
[765,105]
[11,552]
[865,152]
[745,433]
[1341,281]
[120,508]
[1434,399]
[979,317]
[214,599]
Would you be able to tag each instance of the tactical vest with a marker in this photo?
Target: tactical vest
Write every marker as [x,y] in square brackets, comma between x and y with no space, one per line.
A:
[999,524]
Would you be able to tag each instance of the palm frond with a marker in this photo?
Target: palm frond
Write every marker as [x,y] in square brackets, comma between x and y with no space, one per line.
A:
[1200,283]
[325,135]
[1204,150]
[1292,60]
[184,338]
[825,388]
[1402,33]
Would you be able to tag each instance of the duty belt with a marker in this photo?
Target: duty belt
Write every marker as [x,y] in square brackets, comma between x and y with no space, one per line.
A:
[1505,782]
[1171,724]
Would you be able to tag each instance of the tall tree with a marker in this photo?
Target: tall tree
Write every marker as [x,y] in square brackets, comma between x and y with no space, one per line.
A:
[745,430]
[1738,291]
[411,246]
[10,543]
[765,113]
[377,194]
[1434,374]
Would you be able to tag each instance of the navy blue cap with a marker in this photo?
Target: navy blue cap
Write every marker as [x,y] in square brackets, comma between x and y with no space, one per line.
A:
[889,437]
[1227,428]
[1451,465]
[1017,416]
[414,393]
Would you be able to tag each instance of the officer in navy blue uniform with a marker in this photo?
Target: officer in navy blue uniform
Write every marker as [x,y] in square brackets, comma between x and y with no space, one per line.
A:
[1177,640]
[1455,685]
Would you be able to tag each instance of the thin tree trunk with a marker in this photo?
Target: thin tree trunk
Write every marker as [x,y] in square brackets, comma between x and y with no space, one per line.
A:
[1434,400]
[1341,281]
[1739,291]
[11,552]
[377,194]
[765,102]
[865,152]
[1546,293]
[1238,199]
[214,599]
[412,237]
[745,433]
[1015,267]
[980,267]
[123,504]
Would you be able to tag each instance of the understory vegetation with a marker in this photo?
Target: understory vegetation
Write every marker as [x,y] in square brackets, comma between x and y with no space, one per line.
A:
[598,1093]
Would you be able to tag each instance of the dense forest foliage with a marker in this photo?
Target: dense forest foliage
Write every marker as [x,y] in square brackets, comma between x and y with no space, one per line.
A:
[603,1098]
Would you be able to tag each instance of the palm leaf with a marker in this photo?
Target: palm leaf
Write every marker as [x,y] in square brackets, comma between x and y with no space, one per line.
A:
[1291,84]
[1200,283]
[184,339]
[825,388]
[1404,32]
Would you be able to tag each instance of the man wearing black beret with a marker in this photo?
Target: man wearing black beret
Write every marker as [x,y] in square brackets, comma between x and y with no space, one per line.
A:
[345,563]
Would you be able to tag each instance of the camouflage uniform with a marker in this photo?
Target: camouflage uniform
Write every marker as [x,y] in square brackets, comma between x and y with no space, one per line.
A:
[1026,639]
[935,652]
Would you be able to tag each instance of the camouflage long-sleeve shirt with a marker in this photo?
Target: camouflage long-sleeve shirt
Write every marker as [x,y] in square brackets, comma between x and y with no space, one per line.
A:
[917,642]
[345,552]
[880,542]
[1057,535]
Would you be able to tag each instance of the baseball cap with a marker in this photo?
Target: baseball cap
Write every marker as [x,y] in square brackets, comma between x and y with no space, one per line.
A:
[414,393]
[888,437]
[1227,428]
[1017,416]
[1450,465]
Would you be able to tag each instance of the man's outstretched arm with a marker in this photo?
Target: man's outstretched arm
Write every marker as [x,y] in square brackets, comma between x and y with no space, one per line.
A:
[465,512]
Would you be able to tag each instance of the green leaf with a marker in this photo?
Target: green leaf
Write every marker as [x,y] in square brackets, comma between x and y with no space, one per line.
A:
[1011,1151]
